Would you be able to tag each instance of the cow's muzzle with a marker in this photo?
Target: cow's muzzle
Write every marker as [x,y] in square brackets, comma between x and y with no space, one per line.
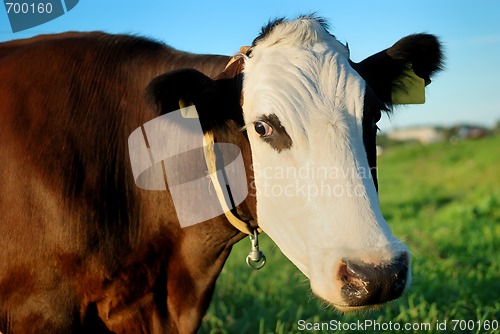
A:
[365,285]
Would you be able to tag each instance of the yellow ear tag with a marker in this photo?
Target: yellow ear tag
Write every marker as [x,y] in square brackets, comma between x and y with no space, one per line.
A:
[408,88]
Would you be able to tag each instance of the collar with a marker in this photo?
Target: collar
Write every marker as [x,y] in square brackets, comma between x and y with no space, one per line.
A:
[210,160]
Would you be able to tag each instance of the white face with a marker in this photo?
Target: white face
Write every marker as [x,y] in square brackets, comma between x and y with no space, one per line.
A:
[303,108]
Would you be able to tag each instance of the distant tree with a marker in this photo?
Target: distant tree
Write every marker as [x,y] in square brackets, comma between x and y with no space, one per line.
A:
[450,133]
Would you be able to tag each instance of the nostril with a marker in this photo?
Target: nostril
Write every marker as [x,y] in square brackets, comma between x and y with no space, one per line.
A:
[366,284]
[360,270]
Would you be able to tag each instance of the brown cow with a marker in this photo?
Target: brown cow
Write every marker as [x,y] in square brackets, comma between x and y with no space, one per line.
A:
[79,240]
[84,250]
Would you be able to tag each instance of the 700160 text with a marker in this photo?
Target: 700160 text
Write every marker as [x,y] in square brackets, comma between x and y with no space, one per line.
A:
[28,8]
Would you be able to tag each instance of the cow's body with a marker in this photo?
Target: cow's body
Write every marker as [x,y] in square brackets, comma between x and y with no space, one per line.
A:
[77,237]
[83,250]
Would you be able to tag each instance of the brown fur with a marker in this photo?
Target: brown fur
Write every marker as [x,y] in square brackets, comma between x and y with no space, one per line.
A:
[82,248]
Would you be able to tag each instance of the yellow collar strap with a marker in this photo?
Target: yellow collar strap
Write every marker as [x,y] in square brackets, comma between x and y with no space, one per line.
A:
[208,150]
[256,258]
[208,145]
[243,52]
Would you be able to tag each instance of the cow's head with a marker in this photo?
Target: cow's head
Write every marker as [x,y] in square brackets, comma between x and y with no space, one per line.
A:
[310,117]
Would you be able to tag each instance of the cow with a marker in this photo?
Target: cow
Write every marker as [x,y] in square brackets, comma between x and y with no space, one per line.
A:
[84,250]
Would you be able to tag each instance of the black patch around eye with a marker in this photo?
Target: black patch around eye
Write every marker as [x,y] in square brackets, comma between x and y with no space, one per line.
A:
[279,139]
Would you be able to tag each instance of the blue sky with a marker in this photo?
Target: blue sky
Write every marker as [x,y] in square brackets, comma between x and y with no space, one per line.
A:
[467,91]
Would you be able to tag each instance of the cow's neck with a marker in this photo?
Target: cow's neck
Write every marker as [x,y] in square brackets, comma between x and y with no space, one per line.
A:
[203,251]
[172,276]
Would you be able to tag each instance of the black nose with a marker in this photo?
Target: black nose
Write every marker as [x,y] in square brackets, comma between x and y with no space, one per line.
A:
[365,284]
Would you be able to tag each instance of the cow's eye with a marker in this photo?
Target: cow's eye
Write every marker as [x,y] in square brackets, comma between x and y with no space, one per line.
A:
[263,129]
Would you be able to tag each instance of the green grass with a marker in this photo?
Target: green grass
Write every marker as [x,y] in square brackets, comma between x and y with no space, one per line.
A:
[443,200]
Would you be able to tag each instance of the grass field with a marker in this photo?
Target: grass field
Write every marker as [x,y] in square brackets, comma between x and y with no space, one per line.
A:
[443,200]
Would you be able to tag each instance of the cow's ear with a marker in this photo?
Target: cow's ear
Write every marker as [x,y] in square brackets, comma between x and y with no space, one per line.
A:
[398,75]
[216,101]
